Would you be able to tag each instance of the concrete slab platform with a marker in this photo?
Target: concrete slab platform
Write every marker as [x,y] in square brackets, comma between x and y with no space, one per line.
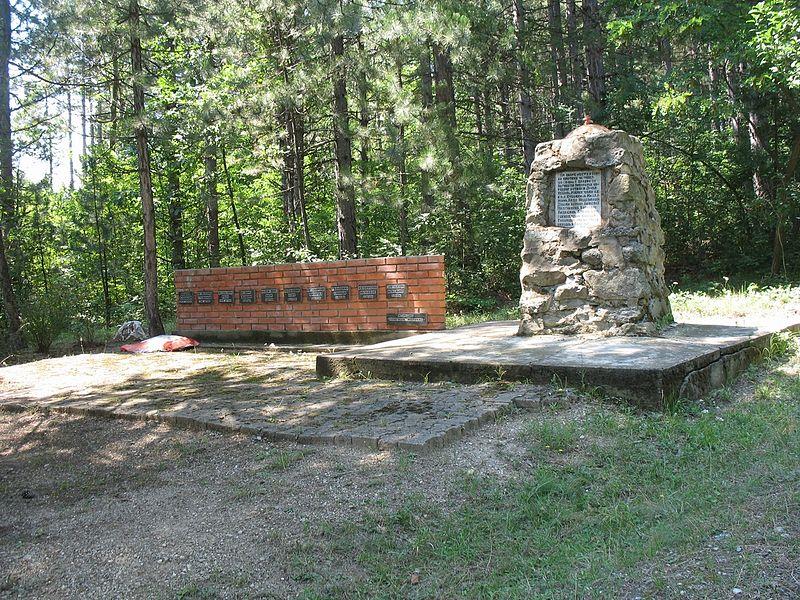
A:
[687,361]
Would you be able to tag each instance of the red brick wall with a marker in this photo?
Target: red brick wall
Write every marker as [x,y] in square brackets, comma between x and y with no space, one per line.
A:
[424,276]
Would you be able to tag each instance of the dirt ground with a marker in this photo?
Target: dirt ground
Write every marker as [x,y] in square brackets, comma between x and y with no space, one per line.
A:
[98,509]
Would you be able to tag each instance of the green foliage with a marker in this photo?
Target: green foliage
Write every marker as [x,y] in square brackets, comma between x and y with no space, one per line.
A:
[46,316]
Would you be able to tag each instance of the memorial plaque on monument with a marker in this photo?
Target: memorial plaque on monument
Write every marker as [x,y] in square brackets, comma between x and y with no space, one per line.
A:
[293,294]
[367,291]
[316,293]
[185,297]
[269,295]
[340,292]
[225,297]
[396,290]
[247,296]
[407,319]
[205,297]
[577,199]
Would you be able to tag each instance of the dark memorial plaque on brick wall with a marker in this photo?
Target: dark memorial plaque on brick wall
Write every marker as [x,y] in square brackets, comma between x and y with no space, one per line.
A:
[269,295]
[247,296]
[205,297]
[293,294]
[367,291]
[225,297]
[396,290]
[185,297]
[340,292]
[407,319]
[316,293]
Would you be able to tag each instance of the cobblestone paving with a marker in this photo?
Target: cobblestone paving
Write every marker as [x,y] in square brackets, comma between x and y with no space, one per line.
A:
[269,394]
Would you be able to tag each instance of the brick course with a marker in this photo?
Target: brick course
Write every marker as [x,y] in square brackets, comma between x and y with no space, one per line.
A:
[423,275]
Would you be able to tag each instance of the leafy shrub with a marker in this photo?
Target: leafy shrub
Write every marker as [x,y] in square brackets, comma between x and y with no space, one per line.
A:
[46,317]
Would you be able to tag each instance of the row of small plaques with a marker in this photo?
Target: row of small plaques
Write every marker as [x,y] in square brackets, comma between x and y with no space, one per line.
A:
[367,291]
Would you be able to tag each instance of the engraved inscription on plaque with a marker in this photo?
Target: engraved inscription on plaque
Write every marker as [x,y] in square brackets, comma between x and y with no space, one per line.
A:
[396,290]
[340,292]
[577,199]
[185,297]
[367,291]
[316,293]
[205,297]
[247,296]
[269,295]
[225,297]
[293,294]
[407,318]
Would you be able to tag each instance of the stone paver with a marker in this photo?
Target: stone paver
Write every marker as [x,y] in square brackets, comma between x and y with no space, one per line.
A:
[273,395]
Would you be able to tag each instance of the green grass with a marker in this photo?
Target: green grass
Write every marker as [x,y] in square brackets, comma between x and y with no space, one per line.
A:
[722,298]
[636,488]
[503,313]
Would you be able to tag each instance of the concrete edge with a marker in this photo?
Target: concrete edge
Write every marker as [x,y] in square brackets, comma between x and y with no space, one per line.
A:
[298,337]
[646,388]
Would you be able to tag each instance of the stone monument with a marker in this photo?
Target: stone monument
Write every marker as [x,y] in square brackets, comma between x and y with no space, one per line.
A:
[593,258]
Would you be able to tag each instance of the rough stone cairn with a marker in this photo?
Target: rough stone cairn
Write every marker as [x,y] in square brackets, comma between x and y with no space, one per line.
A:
[593,258]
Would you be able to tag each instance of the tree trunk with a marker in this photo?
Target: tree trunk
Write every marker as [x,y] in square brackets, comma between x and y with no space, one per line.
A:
[13,320]
[523,97]
[593,38]
[575,67]
[212,200]
[363,112]
[559,72]
[426,100]
[778,250]
[402,173]
[175,209]
[156,327]
[345,193]
[102,254]
[69,141]
[239,236]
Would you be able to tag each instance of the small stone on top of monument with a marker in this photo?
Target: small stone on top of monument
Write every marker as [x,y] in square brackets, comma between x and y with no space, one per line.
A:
[593,258]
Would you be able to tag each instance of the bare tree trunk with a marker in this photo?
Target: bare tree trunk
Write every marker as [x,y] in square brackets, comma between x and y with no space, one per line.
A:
[523,97]
[175,209]
[426,97]
[363,113]
[575,67]
[13,320]
[70,156]
[212,200]
[594,41]
[102,254]
[155,324]
[778,250]
[345,193]
[239,236]
[559,74]
[115,100]
[298,138]
[402,173]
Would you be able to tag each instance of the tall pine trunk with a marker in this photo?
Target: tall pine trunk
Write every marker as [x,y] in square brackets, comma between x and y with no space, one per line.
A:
[345,192]
[559,70]
[426,100]
[175,208]
[239,235]
[13,320]
[594,41]
[523,96]
[156,326]
[212,200]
